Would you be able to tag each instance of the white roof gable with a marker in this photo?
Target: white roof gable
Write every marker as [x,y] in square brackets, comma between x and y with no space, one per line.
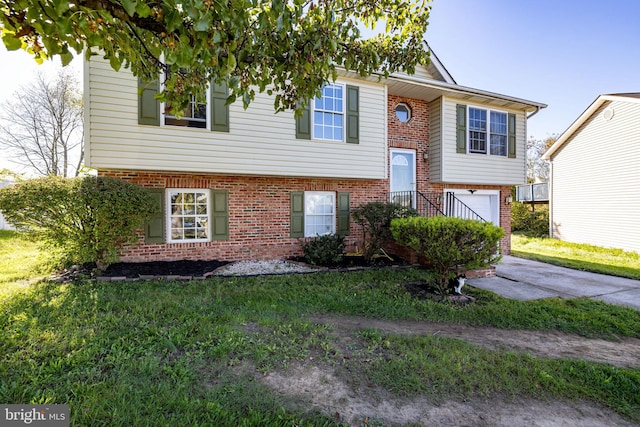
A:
[595,105]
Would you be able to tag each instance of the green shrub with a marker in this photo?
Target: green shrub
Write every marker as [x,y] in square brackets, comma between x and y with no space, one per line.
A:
[532,223]
[449,244]
[87,219]
[375,220]
[324,250]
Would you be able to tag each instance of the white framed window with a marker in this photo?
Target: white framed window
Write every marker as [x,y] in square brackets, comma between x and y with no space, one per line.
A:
[328,113]
[487,131]
[498,133]
[194,116]
[188,215]
[319,213]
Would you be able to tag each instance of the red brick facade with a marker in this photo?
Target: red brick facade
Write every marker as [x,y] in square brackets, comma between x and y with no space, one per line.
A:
[259,206]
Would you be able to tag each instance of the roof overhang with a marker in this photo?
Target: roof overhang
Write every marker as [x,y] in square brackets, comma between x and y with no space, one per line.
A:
[595,105]
[429,90]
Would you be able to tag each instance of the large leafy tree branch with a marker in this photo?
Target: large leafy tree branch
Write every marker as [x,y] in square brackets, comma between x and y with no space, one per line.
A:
[287,48]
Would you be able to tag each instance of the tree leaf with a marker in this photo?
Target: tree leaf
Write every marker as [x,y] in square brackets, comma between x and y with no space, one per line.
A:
[129,6]
[11,42]
[231,62]
[66,58]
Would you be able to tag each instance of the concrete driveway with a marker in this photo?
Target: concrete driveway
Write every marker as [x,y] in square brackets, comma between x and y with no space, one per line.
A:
[523,279]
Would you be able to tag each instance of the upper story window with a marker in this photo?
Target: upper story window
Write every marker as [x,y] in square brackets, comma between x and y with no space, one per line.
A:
[403,112]
[487,131]
[210,111]
[195,116]
[328,114]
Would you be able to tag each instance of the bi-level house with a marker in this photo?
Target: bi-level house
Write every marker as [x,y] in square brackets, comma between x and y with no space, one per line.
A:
[237,184]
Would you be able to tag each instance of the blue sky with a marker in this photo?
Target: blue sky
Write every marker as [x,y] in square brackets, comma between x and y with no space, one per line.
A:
[563,53]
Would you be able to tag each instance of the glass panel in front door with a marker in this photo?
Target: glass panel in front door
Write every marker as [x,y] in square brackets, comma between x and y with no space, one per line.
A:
[403,178]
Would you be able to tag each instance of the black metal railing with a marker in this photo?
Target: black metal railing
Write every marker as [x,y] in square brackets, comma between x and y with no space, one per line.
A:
[425,204]
[433,204]
[457,208]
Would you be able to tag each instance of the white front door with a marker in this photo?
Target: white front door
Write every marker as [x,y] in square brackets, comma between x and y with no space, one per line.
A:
[403,177]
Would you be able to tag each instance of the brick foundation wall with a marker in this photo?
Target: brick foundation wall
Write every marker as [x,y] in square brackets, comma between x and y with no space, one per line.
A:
[259,214]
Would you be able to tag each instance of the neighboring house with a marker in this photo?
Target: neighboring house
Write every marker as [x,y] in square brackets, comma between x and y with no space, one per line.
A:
[4,225]
[237,184]
[595,175]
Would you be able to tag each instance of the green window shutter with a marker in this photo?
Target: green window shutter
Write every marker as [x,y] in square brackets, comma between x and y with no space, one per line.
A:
[344,214]
[148,105]
[353,111]
[154,229]
[297,214]
[219,215]
[303,124]
[512,136]
[461,128]
[219,108]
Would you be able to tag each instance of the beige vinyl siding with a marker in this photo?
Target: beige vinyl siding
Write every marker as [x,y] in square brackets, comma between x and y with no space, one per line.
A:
[421,72]
[435,140]
[596,181]
[479,168]
[259,141]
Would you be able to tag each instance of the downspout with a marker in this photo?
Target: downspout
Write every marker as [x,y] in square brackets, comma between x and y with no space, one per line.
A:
[534,113]
[526,124]
[551,233]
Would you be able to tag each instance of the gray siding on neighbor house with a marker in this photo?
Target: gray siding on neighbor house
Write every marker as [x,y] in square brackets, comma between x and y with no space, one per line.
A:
[596,180]
[259,141]
[448,166]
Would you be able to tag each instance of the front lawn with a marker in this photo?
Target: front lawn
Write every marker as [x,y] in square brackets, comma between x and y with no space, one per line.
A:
[615,262]
[195,353]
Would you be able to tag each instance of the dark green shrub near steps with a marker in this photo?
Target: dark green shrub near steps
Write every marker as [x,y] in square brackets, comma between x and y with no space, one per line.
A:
[85,219]
[324,250]
[375,220]
[449,245]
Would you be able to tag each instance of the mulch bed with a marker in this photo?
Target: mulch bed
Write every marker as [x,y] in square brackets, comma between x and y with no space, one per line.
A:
[162,268]
[188,270]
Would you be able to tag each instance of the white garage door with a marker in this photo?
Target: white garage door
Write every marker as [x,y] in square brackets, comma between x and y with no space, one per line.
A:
[483,202]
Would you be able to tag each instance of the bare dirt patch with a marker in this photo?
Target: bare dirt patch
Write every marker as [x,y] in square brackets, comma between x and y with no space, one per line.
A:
[624,353]
[321,387]
[322,390]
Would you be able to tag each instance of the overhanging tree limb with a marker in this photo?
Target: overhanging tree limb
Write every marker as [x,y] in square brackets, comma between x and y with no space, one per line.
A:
[299,45]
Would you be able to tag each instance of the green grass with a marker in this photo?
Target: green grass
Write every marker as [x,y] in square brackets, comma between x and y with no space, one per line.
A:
[615,262]
[21,262]
[187,353]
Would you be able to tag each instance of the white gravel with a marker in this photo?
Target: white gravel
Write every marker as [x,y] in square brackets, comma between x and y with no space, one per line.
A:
[254,268]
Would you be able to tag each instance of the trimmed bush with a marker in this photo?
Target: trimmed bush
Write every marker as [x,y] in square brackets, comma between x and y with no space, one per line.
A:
[324,250]
[86,219]
[531,223]
[449,244]
[375,219]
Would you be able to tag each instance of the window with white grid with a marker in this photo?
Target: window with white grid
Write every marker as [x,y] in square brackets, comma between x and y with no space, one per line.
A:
[488,126]
[498,133]
[477,130]
[319,213]
[328,114]
[188,215]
